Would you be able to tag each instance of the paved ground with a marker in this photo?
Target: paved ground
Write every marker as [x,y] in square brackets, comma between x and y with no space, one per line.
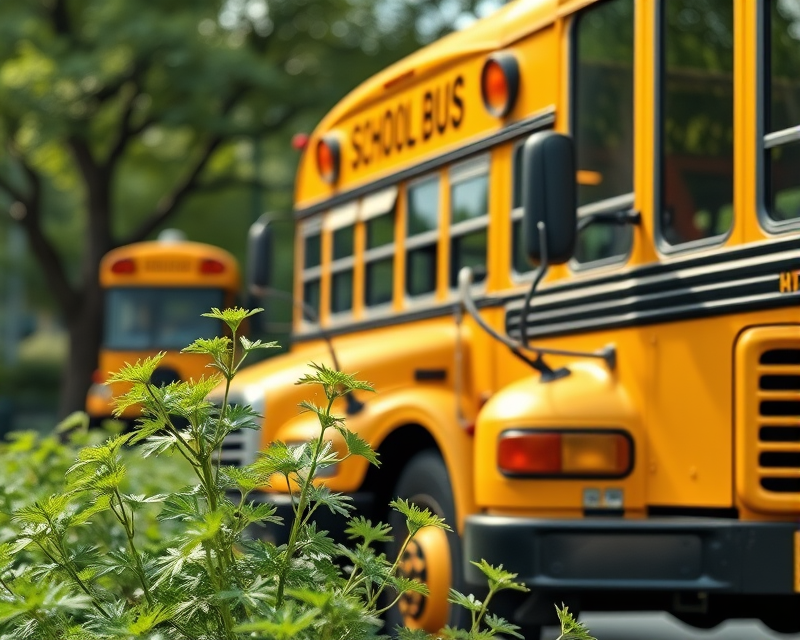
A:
[660,626]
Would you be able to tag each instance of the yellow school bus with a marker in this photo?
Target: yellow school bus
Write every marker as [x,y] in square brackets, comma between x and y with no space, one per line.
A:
[154,294]
[564,244]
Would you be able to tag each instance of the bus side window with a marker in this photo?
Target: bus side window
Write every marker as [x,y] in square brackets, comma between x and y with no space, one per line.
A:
[378,214]
[312,270]
[782,140]
[519,261]
[696,120]
[469,208]
[602,108]
[342,224]
[422,234]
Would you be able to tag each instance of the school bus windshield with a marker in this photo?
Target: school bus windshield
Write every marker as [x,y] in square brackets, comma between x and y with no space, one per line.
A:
[158,318]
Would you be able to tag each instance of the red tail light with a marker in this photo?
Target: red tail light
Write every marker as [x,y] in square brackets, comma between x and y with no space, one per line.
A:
[535,453]
[124,266]
[211,266]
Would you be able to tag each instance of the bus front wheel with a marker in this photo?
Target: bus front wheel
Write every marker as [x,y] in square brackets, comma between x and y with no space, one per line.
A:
[433,556]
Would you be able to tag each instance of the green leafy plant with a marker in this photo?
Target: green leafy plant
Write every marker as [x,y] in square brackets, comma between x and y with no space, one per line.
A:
[102,553]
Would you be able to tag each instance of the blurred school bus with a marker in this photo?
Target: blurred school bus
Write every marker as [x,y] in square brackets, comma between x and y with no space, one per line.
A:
[155,293]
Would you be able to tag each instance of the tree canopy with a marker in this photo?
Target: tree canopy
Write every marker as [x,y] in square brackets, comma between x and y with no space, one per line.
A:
[116,116]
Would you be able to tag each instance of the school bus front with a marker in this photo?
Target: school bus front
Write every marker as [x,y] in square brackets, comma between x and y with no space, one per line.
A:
[616,422]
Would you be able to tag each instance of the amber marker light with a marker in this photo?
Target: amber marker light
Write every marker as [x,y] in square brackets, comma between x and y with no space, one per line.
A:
[564,453]
[328,159]
[500,83]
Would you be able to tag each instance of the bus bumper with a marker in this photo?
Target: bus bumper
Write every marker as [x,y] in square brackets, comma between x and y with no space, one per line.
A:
[656,554]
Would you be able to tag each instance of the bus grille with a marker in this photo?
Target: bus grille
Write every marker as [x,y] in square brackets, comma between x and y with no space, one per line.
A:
[779,420]
[768,421]
[239,448]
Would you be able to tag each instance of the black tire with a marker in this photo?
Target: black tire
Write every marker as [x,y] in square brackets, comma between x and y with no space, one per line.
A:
[424,481]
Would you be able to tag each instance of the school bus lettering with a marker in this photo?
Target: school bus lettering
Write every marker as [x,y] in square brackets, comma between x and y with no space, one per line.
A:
[790,281]
[440,108]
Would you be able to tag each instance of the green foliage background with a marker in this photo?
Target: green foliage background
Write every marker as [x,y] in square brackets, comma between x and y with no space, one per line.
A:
[120,118]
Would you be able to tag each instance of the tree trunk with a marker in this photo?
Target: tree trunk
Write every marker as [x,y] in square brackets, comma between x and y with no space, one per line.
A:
[85,329]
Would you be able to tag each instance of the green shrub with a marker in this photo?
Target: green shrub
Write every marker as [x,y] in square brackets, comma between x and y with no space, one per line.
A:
[104,547]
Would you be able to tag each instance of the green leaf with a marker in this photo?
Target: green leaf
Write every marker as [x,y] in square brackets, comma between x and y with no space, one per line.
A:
[77,420]
[501,625]
[417,518]
[470,602]
[280,458]
[335,383]
[357,446]
[148,426]
[256,513]
[402,584]
[233,317]
[252,346]
[404,633]
[243,478]
[158,444]
[335,502]
[180,506]
[571,629]
[215,347]
[362,528]
[498,578]
[43,511]
[285,623]
[99,504]
[317,599]
[140,372]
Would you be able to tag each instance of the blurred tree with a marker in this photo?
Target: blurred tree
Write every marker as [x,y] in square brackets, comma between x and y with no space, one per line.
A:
[116,115]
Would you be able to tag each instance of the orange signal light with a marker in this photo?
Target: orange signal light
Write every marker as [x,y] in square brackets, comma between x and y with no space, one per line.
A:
[500,83]
[328,159]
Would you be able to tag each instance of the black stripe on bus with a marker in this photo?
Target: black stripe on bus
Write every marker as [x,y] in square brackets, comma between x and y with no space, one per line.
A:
[738,280]
[510,132]
[683,289]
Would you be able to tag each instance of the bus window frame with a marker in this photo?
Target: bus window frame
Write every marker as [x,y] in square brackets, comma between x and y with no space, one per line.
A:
[662,246]
[473,167]
[424,239]
[376,254]
[611,204]
[335,219]
[309,227]
[763,98]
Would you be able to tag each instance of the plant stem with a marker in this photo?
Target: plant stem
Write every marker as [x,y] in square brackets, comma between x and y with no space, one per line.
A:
[476,623]
[3,582]
[301,506]
[43,625]
[224,409]
[396,563]
[73,574]
[127,524]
